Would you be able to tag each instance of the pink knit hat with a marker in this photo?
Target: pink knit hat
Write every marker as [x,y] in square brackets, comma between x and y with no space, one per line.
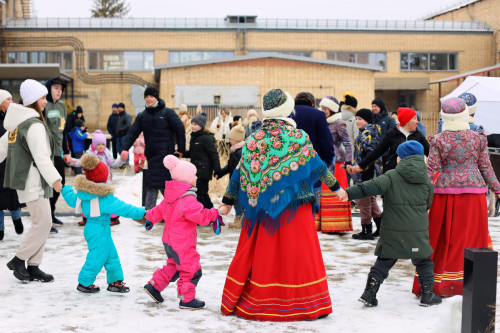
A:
[98,137]
[181,171]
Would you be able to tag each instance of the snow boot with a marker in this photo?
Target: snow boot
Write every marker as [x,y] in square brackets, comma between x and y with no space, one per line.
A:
[114,221]
[18,226]
[18,266]
[118,287]
[155,294]
[1,234]
[378,222]
[55,220]
[194,304]
[53,230]
[365,234]
[428,297]
[83,222]
[36,274]
[88,290]
[369,295]
[236,224]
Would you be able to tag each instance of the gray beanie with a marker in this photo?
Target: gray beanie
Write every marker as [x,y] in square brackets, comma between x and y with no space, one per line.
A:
[200,119]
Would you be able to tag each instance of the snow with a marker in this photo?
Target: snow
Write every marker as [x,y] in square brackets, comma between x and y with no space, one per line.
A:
[59,307]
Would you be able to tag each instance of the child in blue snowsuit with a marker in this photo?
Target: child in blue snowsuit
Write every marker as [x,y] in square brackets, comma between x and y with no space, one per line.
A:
[97,201]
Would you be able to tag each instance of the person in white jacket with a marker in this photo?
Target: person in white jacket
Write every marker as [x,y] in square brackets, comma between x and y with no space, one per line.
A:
[28,149]
[221,124]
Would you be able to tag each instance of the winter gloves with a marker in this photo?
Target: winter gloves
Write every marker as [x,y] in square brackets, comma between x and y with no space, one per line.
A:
[217,224]
[148,225]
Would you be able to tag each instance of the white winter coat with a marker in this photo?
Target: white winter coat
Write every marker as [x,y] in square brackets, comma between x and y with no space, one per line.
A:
[224,128]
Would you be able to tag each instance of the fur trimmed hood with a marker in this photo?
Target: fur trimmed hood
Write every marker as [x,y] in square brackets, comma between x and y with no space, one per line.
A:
[85,185]
[334,117]
[349,108]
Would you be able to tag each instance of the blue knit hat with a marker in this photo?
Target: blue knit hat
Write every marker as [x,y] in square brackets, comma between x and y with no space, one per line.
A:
[409,148]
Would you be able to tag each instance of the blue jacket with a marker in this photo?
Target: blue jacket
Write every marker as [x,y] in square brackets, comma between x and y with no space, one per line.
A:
[313,122]
[108,203]
[77,139]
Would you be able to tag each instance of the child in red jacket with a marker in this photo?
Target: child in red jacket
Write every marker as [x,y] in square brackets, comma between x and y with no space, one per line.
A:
[182,213]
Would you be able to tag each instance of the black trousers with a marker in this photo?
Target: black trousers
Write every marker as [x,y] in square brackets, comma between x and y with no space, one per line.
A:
[202,193]
[113,146]
[424,266]
[59,165]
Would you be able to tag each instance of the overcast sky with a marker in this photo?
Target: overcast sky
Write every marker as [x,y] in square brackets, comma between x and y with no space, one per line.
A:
[320,9]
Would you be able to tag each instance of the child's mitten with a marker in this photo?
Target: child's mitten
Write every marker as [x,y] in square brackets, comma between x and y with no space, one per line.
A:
[217,224]
[148,225]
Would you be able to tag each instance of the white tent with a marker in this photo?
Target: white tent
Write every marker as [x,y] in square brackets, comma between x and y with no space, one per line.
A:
[487,92]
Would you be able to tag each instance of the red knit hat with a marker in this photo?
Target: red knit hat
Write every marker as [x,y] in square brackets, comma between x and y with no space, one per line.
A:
[405,115]
[95,170]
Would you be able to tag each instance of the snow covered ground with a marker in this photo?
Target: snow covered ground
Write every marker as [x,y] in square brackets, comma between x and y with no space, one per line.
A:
[59,307]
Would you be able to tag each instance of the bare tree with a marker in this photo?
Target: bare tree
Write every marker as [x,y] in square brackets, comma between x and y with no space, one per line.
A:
[110,8]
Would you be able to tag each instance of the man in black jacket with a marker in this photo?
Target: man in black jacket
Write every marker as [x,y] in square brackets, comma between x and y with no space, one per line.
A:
[162,128]
[123,123]
[111,126]
[406,131]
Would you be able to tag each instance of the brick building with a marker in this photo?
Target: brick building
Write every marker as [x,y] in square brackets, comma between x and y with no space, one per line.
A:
[233,61]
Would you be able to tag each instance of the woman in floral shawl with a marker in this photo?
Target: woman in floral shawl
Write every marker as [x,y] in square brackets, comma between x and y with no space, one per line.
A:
[277,273]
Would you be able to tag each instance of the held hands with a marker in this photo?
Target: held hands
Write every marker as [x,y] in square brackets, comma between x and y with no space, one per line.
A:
[342,195]
[58,186]
[124,155]
[148,225]
[352,169]
[178,154]
[67,158]
[224,209]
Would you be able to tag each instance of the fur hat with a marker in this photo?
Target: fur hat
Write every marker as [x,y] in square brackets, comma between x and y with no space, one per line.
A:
[277,103]
[350,100]
[409,148]
[151,91]
[330,103]
[4,94]
[78,123]
[97,138]
[365,114]
[200,119]
[470,100]
[237,133]
[455,114]
[31,91]
[405,115]
[181,171]
[95,170]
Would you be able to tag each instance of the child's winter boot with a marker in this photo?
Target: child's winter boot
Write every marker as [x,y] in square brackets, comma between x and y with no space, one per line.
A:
[236,223]
[18,226]
[118,287]
[36,274]
[114,221]
[365,234]
[428,297]
[369,295]
[192,305]
[378,222]
[18,266]
[155,294]
[82,222]
[88,290]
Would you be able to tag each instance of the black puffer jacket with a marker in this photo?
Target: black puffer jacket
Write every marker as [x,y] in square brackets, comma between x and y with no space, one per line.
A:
[162,129]
[234,159]
[123,124]
[384,120]
[203,154]
[390,142]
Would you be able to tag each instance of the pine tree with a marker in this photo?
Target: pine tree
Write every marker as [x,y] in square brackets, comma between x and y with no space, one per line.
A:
[110,8]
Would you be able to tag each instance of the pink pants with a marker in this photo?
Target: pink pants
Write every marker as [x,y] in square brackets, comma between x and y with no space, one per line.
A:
[368,209]
[183,267]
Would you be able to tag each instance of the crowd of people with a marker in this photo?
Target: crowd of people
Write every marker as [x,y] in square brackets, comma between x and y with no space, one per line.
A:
[291,174]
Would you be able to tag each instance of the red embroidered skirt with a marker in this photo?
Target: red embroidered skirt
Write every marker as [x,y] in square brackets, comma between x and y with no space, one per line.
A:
[334,215]
[456,222]
[279,276]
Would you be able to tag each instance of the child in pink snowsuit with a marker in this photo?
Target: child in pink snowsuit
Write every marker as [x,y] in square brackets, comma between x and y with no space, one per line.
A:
[139,157]
[182,213]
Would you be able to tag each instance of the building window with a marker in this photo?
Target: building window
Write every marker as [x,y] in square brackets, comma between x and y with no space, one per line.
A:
[294,53]
[64,59]
[190,56]
[363,58]
[132,61]
[426,61]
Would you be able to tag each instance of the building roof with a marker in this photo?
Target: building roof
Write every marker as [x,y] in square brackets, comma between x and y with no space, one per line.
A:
[464,75]
[33,71]
[449,8]
[260,24]
[158,68]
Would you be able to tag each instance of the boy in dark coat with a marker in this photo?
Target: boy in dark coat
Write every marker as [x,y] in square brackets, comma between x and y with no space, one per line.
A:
[78,136]
[204,155]
[407,192]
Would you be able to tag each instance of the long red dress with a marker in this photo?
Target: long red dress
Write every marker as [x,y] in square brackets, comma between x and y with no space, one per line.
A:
[264,282]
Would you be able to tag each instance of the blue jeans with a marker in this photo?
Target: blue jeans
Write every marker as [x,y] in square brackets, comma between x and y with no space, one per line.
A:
[119,145]
[14,213]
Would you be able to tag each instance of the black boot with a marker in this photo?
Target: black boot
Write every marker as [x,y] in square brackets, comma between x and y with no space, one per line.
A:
[365,234]
[428,297]
[118,287]
[18,266]
[36,274]
[1,234]
[18,226]
[378,222]
[369,295]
